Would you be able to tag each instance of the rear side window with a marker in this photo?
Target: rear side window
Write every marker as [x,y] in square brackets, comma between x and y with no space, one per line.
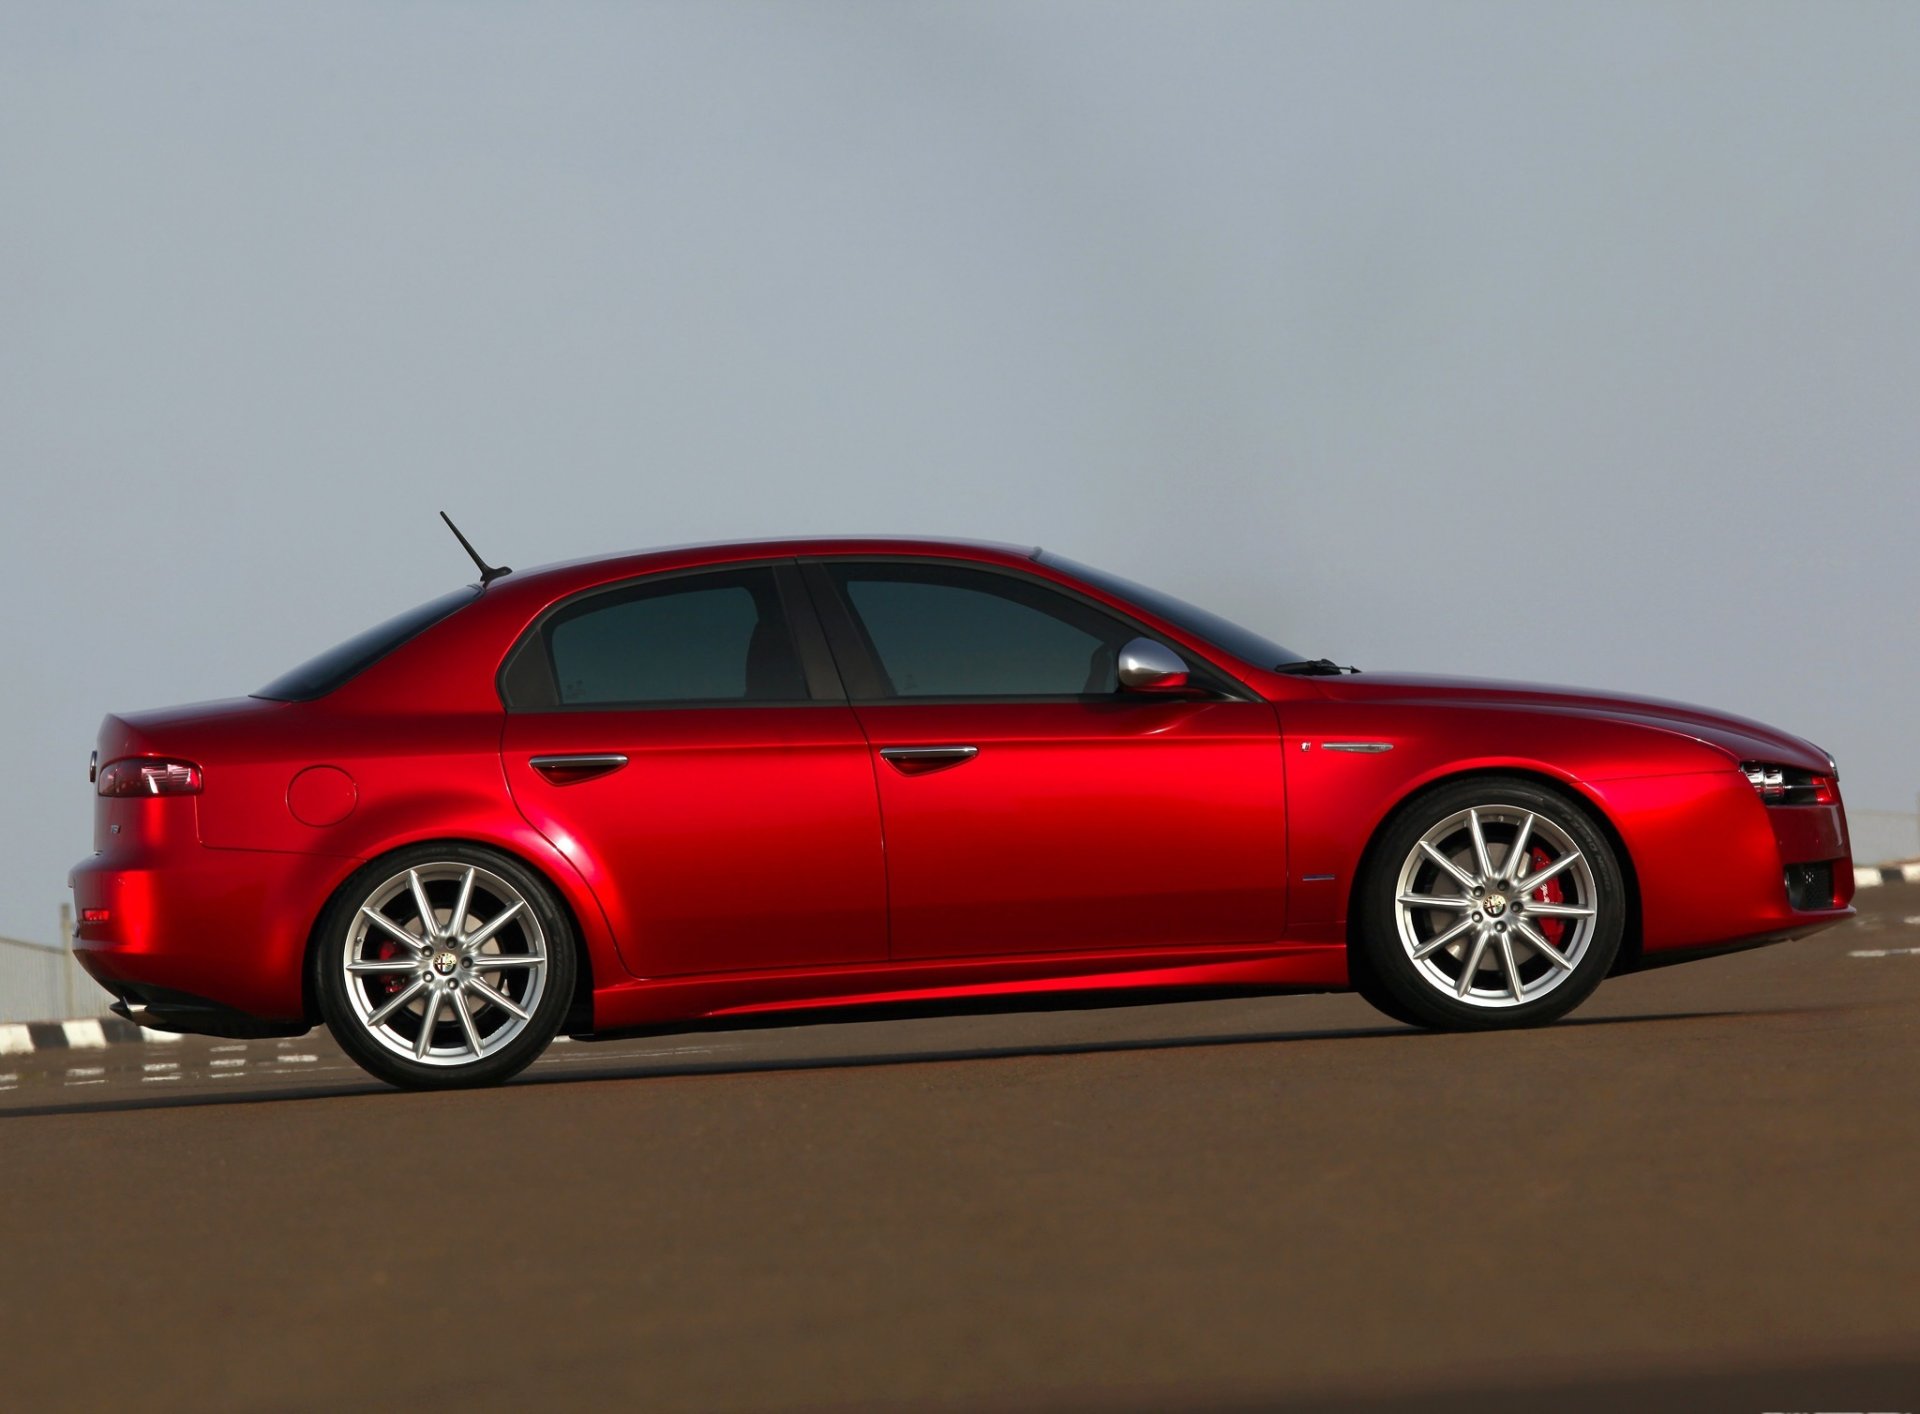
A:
[937,631]
[709,638]
[318,676]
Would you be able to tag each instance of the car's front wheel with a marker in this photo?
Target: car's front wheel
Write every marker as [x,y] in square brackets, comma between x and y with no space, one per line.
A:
[445,965]
[1490,903]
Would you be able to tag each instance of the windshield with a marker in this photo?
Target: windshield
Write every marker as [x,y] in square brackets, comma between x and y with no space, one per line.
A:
[1229,637]
[318,676]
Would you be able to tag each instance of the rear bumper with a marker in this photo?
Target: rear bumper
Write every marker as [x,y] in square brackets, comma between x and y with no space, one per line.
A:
[158,1009]
[206,938]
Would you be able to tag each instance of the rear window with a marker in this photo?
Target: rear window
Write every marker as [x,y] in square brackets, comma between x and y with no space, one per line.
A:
[715,637]
[318,676]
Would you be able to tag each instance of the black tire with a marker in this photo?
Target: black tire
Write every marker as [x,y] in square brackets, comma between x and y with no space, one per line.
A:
[503,1043]
[1360,975]
[1523,986]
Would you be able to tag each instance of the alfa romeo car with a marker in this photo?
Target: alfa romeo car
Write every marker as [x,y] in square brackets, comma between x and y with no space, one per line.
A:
[702,786]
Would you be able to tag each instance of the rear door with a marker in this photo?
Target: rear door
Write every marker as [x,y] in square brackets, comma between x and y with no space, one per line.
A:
[684,740]
[1030,806]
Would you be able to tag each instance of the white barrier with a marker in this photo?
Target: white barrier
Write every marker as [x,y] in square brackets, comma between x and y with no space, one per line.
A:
[42,984]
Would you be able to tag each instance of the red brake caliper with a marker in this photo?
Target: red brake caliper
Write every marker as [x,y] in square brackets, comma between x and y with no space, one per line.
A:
[1552,929]
[388,984]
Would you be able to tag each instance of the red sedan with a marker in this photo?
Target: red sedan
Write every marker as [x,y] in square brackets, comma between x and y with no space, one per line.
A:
[699,785]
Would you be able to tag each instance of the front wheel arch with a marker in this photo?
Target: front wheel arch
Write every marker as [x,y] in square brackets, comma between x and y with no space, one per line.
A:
[1630,940]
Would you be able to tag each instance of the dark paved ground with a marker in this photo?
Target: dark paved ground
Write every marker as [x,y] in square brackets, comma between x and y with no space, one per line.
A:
[1700,1193]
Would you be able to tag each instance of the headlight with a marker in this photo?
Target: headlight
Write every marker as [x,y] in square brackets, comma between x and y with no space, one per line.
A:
[1788,785]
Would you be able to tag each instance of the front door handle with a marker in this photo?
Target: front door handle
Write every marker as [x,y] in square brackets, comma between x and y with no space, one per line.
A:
[923,760]
[571,770]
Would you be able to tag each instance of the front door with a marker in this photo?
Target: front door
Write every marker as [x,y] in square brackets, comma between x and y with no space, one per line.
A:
[716,794]
[1030,806]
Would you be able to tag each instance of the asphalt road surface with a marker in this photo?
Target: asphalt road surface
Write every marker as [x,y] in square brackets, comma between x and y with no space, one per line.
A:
[1698,1193]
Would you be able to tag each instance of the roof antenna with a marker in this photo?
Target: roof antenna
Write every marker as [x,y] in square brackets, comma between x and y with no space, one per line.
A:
[488,573]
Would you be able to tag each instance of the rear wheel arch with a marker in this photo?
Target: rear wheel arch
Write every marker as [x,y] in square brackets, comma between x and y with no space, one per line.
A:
[580,1009]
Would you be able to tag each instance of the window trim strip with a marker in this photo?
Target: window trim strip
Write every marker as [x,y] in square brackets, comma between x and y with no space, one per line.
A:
[867,686]
[809,643]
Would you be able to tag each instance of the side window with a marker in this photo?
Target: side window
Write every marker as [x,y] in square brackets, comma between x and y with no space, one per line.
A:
[939,631]
[718,637]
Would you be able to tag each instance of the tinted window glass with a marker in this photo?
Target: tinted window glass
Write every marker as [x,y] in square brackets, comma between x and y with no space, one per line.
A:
[318,676]
[1208,627]
[940,632]
[709,638]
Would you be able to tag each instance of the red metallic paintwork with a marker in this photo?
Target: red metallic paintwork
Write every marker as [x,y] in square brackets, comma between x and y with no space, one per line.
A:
[735,839]
[1122,824]
[761,859]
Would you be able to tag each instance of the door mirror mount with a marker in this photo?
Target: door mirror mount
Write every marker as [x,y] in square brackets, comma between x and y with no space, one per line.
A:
[1149,666]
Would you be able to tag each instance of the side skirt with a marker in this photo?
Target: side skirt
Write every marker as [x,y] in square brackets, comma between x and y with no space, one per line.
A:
[973,984]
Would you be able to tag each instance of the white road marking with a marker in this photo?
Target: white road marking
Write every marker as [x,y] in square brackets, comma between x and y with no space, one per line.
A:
[84,1034]
[1912,920]
[296,1060]
[147,1033]
[87,1070]
[228,1061]
[219,1050]
[160,1065]
[1885,952]
[15,1039]
[156,1079]
[615,1056]
[10,1078]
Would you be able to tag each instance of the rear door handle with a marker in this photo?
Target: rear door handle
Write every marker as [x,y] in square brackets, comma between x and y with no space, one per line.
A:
[584,766]
[922,760]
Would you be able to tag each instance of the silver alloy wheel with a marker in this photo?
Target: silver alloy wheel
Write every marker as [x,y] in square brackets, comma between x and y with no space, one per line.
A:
[445,963]
[1496,905]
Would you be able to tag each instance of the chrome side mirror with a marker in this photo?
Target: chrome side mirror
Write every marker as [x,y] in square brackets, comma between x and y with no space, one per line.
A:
[1147,666]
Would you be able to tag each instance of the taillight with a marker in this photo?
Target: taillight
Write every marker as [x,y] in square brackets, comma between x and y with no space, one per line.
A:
[1788,785]
[144,775]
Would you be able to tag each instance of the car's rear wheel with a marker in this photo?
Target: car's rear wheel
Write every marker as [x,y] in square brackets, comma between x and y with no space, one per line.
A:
[1494,902]
[445,965]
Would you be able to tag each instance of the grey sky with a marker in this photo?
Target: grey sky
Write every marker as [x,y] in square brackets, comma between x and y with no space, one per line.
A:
[1576,343]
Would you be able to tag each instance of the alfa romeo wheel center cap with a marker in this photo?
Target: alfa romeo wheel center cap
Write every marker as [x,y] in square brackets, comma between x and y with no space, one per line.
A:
[445,962]
[1493,905]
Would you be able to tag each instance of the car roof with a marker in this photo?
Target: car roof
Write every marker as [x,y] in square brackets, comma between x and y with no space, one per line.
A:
[565,575]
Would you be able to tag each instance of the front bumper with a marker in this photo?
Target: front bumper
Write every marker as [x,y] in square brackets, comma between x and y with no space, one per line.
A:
[1716,869]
